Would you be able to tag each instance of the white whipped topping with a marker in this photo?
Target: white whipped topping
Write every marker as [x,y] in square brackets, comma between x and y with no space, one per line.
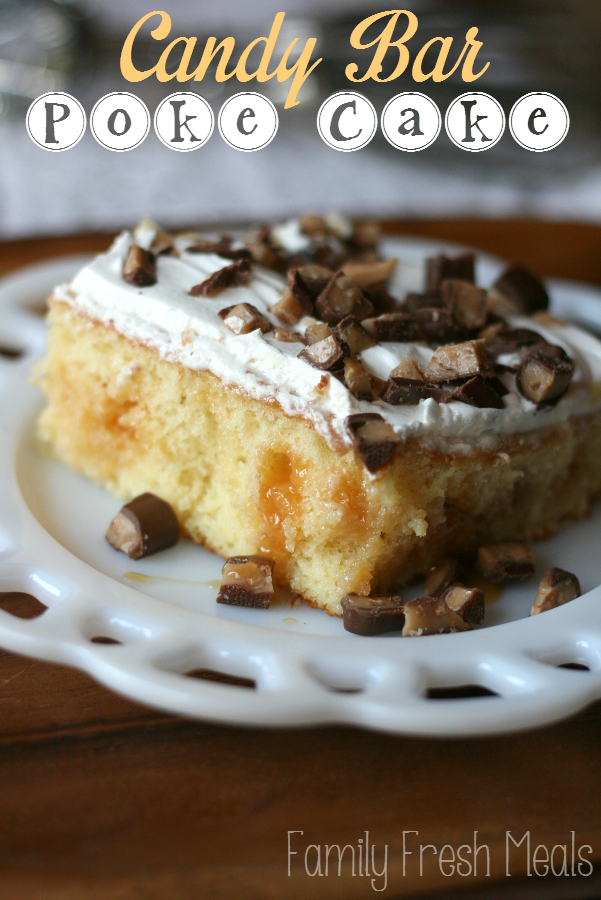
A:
[187,330]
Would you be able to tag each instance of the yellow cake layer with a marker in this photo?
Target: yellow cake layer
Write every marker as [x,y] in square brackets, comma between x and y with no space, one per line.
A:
[245,478]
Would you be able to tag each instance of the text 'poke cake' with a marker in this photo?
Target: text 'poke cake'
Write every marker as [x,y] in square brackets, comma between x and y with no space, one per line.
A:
[290,400]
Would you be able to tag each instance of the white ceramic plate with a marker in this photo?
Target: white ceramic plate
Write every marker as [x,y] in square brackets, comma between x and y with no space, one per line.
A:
[306,668]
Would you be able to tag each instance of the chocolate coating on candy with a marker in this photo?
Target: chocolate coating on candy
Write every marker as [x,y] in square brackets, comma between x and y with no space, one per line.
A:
[369,616]
[295,302]
[555,589]
[440,267]
[505,562]
[438,325]
[139,267]
[143,526]
[509,340]
[373,439]
[395,326]
[247,581]
[408,392]
[480,392]
[235,275]
[544,374]
[523,289]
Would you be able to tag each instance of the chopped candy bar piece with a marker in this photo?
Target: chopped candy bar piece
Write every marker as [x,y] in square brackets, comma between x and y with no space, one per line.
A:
[340,298]
[523,289]
[372,615]
[430,615]
[143,526]
[353,334]
[466,302]
[544,374]
[244,318]
[458,361]
[555,589]
[235,275]
[466,602]
[247,581]
[440,267]
[503,562]
[441,577]
[326,354]
[373,439]
[139,267]
[368,274]
[357,379]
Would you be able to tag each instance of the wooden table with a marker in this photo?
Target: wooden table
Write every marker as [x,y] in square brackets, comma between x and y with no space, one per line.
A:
[102,798]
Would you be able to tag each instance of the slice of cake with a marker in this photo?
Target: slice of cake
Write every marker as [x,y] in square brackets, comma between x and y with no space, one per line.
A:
[289,401]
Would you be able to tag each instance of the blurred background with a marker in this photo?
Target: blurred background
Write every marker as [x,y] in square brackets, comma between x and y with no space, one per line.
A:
[45,45]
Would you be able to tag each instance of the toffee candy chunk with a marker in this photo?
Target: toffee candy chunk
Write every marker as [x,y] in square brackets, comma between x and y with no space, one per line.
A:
[396,326]
[374,440]
[295,301]
[244,318]
[340,298]
[503,562]
[288,337]
[440,267]
[523,289]
[466,602]
[143,526]
[407,368]
[454,361]
[544,374]
[441,577]
[480,392]
[409,392]
[317,332]
[466,302]
[247,581]
[357,379]
[235,275]
[139,267]
[353,334]
[326,354]
[430,615]
[372,615]
[367,274]
[555,589]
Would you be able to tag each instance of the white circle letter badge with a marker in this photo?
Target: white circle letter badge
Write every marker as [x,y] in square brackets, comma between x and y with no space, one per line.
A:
[56,121]
[120,121]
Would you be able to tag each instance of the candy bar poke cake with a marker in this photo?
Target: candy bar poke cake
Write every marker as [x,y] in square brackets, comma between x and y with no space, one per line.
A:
[308,419]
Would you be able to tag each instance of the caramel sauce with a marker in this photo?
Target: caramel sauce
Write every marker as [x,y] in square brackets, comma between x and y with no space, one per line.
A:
[492,592]
[280,493]
[140,578]
[351,497]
